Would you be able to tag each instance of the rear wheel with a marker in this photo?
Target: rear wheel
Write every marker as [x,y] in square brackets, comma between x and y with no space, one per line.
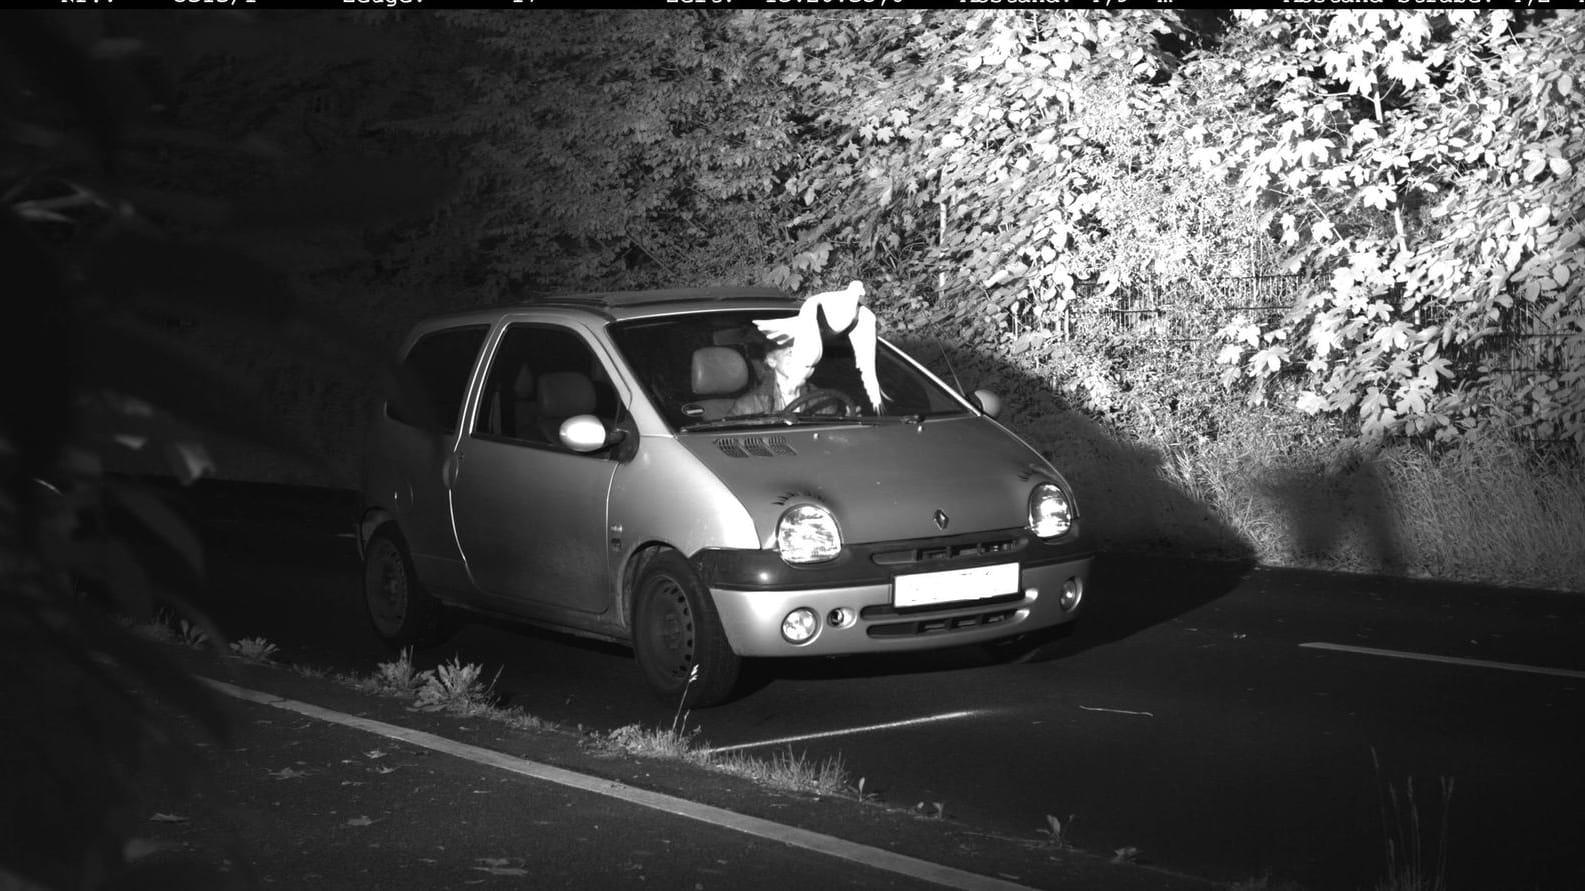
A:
[676,630]
[401,611]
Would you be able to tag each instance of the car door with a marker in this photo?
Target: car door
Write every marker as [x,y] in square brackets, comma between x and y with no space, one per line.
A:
[529,513]
[416,450]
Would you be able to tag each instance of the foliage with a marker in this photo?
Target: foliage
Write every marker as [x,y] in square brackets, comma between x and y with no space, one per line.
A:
[610,148]
[254,649]
[397,677]
[1421,167]
[1002,179]
[106,253]
[954,144]
[453,686]
[635,739]
[788,771]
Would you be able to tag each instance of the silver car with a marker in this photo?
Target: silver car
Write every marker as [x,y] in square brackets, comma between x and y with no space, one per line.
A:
[585,463]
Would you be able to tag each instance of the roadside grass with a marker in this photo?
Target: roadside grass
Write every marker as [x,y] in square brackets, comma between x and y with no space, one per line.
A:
[460,689]
[1415,861]
[1058,832]
[1492,512]
[784,771]
[451,687]
[254,649]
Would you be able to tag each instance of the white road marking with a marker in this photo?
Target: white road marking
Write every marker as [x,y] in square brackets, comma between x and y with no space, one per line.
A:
[1445,660]
[849,731]
[832,846]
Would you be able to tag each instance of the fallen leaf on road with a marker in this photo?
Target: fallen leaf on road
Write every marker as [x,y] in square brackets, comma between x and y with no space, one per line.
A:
[137,848]
[288,773]
[502,870]
[168,818]
[501,866]
[360,821]
[374,753]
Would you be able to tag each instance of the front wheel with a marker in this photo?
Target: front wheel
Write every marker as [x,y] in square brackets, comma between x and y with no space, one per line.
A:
[676,631]
[402,612]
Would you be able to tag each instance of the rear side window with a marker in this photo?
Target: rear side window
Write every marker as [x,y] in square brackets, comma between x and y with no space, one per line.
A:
[439,366]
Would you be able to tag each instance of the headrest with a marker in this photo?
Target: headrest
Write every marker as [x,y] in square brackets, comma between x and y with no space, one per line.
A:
[523,385]
[718,371]
[563,394]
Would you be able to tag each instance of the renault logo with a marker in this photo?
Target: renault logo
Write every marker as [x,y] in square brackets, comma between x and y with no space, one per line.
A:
[942,520]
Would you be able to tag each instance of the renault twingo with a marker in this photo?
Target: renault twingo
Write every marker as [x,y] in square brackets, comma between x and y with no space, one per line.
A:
[589,466]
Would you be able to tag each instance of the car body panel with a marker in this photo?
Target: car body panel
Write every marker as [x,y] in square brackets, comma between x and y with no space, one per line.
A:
[882,482]
[533,526]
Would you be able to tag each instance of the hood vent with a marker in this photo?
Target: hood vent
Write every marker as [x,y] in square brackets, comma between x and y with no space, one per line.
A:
[755,447]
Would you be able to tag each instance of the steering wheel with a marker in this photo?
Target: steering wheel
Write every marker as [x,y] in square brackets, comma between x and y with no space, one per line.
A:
[850,408]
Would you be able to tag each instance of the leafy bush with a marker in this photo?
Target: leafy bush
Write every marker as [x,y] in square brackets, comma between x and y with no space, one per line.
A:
[453,686]
[1420,166]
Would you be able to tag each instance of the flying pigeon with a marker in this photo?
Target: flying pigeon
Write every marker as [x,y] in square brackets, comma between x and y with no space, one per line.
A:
[844,314]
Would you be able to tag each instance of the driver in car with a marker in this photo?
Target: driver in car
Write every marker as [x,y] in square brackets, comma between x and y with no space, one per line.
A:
[790,370]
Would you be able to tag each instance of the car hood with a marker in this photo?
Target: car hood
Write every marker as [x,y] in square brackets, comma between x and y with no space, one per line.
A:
[882,482]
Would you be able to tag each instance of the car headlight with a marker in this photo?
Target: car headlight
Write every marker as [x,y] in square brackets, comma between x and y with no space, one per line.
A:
[1050,511]
[807,533]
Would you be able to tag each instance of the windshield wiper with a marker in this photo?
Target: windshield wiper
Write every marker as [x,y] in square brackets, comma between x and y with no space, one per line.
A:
[762,419]
[773,419]
[776,418]
[879,420]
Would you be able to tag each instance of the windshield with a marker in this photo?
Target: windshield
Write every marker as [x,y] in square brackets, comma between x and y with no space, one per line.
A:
[717,370]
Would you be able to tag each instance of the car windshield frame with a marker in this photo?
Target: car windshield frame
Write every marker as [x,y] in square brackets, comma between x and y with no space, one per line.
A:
[659,354]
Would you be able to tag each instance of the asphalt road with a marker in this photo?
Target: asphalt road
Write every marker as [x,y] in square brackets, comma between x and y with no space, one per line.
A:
[1225,722]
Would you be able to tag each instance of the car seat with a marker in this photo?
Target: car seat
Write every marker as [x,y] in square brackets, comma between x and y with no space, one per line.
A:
[719,374]
[514,409]
[563,394]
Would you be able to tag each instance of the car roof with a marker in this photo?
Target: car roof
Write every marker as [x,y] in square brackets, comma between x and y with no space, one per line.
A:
[622,305]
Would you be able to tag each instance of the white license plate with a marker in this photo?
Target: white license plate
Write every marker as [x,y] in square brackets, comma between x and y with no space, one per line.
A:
[953,585]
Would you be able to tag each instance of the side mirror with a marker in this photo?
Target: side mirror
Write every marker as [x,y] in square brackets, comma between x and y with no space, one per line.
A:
[587,433]
[987,402]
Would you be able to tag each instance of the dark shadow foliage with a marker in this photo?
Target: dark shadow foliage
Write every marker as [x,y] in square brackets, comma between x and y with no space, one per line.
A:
[107,249]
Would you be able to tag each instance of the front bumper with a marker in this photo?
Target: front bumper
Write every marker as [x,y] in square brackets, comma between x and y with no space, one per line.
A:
[754,590]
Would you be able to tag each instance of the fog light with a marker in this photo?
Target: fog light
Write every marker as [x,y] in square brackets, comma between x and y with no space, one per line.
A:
[800,625]
[1072,593]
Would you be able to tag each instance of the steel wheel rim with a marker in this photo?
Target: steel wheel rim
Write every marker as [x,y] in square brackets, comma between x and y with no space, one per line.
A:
[670,628]
[387,594]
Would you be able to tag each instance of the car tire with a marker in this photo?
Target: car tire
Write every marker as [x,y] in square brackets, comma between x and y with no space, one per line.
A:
[399,608]
[676,629]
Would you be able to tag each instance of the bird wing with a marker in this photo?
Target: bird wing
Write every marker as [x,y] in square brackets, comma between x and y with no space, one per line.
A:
[863,339]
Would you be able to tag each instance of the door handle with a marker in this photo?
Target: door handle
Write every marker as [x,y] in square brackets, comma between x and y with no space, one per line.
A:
[448,471]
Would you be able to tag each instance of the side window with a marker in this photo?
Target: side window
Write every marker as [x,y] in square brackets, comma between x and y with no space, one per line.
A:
[539,377]
[440,364]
